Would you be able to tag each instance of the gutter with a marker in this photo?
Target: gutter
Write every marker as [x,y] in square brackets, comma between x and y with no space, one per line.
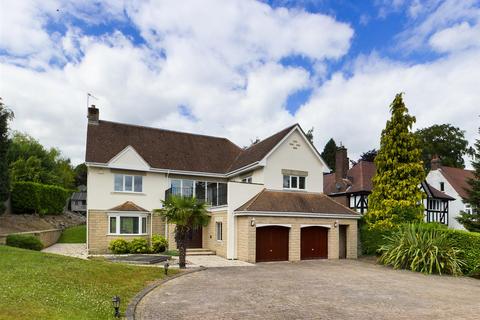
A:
[297,214]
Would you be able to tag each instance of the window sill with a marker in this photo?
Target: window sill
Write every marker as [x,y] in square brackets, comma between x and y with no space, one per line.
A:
[294,189]
[129,193]
[127,234]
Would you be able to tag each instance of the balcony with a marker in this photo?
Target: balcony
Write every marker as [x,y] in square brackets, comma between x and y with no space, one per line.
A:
[215,194]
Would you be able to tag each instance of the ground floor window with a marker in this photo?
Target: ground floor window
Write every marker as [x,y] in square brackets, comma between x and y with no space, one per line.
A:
[218,228]
[127,224]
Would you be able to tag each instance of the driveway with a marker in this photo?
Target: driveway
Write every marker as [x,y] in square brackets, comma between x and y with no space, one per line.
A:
[326,289]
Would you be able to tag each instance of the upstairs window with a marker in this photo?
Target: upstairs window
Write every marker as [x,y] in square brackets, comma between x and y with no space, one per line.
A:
[294,182]
[442,186]
[247,180]
[128,183]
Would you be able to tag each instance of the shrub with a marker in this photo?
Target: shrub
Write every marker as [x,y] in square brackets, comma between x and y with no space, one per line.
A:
[159,243]
[32,197]
[24,241]
[119,246]
[469,243]
[422,247]
[138,245]
[372,239]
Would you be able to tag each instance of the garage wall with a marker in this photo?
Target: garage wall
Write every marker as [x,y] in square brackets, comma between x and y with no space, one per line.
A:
[209,234]
[246,236]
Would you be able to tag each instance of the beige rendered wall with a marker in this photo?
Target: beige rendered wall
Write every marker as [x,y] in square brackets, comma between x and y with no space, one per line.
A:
[98,238]
[302,158]
[246,235]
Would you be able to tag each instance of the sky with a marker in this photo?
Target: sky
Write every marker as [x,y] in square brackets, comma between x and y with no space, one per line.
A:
[242,69]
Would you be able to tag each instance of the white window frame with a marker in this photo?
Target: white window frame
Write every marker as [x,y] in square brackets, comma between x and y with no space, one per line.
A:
[219,235]
[119,215]
[290,182]
[123,183]
[194,188]
[247,179]
[468,208]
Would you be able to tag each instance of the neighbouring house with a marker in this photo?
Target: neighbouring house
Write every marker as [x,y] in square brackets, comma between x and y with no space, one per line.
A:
[454,182]
[352,186]
[266,202]
[78,202]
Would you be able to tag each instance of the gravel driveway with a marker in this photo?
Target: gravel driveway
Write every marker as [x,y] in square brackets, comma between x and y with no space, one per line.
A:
[326,289]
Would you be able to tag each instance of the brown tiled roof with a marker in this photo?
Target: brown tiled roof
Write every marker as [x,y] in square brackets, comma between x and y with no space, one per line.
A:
[160,148]
[359,179]
[293,201]
[259,150]
[128,206]
[458,178]
[437,193]
[165,149]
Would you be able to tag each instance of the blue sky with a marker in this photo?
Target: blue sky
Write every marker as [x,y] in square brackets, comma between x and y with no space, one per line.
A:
[239,68]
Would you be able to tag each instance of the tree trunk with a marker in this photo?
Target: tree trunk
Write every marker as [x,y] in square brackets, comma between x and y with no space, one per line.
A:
[181,239]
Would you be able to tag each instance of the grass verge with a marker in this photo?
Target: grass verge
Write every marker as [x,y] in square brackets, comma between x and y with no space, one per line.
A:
[36,285]
[77,234]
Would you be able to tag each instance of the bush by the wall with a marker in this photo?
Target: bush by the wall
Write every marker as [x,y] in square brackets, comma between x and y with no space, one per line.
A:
[24,241]
[159,243]
[372,239]
[469,244]
[31,197]
[423,248]
[138,245]
[119,246]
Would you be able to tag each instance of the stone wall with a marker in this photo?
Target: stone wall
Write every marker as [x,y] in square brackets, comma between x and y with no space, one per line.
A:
[47,237]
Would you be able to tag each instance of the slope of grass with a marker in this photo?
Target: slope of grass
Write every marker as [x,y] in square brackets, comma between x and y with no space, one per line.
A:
[36,285]
[77,234]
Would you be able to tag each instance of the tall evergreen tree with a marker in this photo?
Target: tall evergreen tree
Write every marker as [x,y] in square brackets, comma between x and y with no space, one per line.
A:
[328,153]
[395,196]
[5,116]
[309,135]
[471,221]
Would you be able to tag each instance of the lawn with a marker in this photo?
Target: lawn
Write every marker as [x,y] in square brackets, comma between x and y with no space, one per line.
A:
[37,285]
[77,234]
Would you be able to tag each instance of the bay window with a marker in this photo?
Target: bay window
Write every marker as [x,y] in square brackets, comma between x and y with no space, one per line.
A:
[127,224]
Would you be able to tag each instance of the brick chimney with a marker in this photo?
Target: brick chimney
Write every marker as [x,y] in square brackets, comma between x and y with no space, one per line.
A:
[93,115]
[435,163]
[341,163]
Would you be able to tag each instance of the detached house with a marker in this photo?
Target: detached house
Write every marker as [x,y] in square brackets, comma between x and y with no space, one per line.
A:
[352,186]
[266,202]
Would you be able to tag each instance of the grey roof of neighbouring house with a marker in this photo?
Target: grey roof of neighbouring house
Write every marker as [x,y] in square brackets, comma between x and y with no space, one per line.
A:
[79,196]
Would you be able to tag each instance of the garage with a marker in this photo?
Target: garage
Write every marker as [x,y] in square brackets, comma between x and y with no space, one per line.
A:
[314,243]
[272,243]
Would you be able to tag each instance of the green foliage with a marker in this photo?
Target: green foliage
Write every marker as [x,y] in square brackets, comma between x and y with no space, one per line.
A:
[77,234]
[186,213]
[328,153]
[369,156]
[469,244]
[31,197]
[446,141]
[119,246]
[5,116]
[159,243]
[28,160]
[399,173]
[24,241]
[309,135]
[372,239]
[422,248]
[138,245]
[80,174]
[471,221]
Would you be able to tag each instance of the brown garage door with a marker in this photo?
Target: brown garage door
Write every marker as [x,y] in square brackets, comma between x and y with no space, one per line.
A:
[272,243]
[314,243]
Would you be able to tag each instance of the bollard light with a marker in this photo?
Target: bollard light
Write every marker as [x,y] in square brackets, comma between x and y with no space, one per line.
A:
[116,305]
[165,266]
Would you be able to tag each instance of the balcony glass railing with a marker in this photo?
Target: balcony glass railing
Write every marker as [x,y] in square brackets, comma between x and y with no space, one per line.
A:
[213,193]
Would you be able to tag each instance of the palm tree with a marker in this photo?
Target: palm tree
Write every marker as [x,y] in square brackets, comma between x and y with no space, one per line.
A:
[186,213]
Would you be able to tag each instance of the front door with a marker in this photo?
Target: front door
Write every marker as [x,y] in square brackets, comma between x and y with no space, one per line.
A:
[194,238]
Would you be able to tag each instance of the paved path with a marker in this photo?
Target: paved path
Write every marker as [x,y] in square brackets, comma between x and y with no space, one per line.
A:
[214,262]
[77,250]
[327,289]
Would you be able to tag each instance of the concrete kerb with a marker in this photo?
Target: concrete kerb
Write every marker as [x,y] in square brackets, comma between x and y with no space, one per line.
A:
[132,306]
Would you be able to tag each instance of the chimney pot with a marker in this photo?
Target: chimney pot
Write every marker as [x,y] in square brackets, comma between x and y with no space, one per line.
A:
[435,163]
[93,115]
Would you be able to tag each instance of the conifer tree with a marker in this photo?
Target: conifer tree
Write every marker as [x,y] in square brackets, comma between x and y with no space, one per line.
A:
[471,221]
[5,116]
[328,153]
[396,196]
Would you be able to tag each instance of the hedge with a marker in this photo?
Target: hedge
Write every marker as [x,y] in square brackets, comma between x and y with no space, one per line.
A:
[469,243]
[32,197]
[24,241]
[371,239]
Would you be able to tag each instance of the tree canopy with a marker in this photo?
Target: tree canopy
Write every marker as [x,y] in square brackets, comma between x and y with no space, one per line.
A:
[368,155]
[309,135]
[28,160]
[5,116]
[328,153]
[395,196]
[471,221]
[446,141]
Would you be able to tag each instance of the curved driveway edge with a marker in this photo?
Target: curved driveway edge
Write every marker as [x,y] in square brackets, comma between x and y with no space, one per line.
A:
[132,306]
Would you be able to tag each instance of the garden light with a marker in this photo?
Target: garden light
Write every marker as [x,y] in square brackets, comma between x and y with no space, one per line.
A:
[116,305]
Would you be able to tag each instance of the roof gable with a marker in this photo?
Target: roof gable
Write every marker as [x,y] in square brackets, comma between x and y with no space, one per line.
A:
[128,158]
[458,179]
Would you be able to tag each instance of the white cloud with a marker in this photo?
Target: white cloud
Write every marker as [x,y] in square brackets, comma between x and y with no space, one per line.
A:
[459,37]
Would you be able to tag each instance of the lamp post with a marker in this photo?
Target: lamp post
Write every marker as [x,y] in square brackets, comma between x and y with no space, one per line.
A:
[165,266]
[116,305]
